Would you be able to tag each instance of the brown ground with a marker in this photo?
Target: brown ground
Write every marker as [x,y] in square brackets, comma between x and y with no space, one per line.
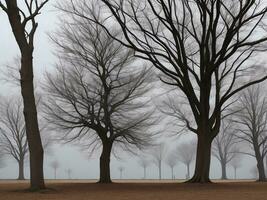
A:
[131,190]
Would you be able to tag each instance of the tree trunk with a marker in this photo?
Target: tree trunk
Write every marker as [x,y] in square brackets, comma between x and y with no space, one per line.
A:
[27,90]
[223,165]
[31,122]
[260,167]
[172,173]
[202,168]
[55,174]
[144,172]
[105,163]
[188,171]
[159,170]
[21,170]
[235,172]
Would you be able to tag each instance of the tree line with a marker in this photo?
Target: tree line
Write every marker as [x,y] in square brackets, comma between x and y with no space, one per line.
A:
[111,52]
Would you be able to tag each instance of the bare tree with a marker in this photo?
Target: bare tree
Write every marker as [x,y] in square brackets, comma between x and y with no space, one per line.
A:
[158,154]
[144,163]
[251,122]
[13,140]
[236,163]
[2,163]
[225,146]
[69,172]
[186,153]
[55,165]
[171,161]
[98,96]
[203,48]
[254,172]
[121,169]
[24,26]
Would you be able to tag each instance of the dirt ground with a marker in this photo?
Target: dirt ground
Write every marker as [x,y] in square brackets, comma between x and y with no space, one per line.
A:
[135,190]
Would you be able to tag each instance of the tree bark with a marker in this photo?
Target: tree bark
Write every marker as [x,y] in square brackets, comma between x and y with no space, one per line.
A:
[31,122]
[224,175]
[260,167]
[21,169]
[202,168]
[105,163]
[27,91]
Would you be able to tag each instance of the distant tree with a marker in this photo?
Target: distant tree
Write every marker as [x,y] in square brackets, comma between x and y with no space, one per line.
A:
[251,125]
[13,140]
[186,153]
[144,162]
[158,154]
[22,19]
[171,161]
[225,145]
[236,163]
[97,96]
[69,172]
[121,169]
[2,162]
[55,165]
[254,172]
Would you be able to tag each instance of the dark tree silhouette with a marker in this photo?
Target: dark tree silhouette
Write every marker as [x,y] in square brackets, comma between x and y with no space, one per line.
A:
[225,146]
[55,165]
[98,96]
[186,153]
[144,163]
[203,48]
[171,161]
[24,26]
[252,125]
[158,154]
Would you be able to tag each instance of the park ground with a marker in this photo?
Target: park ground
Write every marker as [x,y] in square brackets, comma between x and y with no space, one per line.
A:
[135,190]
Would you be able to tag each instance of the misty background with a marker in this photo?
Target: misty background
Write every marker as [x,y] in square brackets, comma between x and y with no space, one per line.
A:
[82,165]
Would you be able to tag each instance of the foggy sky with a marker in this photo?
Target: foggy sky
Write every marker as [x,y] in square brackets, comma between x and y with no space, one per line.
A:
[70,156]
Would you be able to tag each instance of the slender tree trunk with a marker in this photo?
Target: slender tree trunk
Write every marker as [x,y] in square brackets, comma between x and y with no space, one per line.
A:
[27,90]
[21,169]
[202,168]
[223,165]
[31,122]
[105,163]
[172,172]
[235,172]
[187,171]
[144,172]
[159,170]
[55,174]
